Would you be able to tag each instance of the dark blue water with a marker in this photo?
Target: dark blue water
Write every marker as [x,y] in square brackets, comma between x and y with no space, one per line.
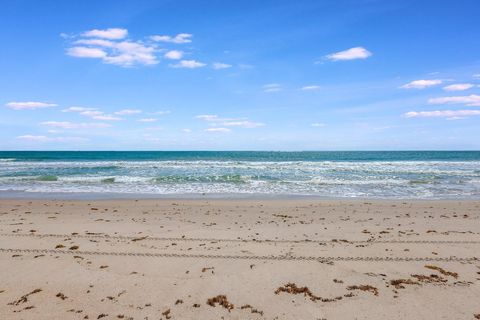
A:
[241,155]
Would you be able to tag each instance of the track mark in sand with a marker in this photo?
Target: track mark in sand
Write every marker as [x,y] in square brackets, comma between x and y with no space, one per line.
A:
[149,238]
[324,259]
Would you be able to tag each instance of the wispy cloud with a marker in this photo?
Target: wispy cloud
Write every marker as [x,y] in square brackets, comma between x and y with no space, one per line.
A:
[272,87]
[91,113]
[147,120]
[220,65]
[242,124]
[186,130]
[111,33]
[174,54]
[77,109]
[442,113]
[128,112]
[310,88]
[85,52]
[349,54]
[421,84]
[216,118]
[219,130]
[179,38]
[458,87]
[472,100]
[72,125]
[30,105]
[161,112]
[318,124]
[230,122]
[40,138]
[106,118]
[189,64]
[96,114]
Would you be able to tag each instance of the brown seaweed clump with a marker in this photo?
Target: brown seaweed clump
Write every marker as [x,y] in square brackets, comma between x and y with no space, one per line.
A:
[252,309]
[222,301]
[442,271]
[61,296]
[433,278]
[293,289]
[24,298]
[364,287]
[166,313]
[399,283]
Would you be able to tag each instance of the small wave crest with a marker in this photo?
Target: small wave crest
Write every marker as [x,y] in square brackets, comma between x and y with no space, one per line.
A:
[226,178]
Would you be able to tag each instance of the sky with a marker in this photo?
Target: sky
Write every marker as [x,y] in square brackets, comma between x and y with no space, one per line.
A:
[239,75]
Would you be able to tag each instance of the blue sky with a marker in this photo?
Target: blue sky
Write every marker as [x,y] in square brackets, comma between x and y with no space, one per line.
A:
[239,75]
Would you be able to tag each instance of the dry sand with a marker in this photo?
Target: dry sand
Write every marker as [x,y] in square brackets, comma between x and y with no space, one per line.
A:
[239,259]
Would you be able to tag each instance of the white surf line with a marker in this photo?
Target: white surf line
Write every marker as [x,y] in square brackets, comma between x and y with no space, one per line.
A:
[240,257]
[151,238]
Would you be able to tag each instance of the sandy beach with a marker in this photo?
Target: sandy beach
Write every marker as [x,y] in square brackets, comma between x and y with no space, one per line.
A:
[239,259]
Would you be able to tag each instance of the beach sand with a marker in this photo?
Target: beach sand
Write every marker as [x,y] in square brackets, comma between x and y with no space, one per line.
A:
[239,259]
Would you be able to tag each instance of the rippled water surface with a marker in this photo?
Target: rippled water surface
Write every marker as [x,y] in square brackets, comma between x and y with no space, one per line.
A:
[419,175]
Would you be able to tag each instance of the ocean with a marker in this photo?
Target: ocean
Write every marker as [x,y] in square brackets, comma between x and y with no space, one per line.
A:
[359,174]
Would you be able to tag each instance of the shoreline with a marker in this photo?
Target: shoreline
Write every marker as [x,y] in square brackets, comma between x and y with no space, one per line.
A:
[90,196]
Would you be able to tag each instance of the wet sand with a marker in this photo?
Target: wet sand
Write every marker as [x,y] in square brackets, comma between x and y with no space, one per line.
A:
[239,259]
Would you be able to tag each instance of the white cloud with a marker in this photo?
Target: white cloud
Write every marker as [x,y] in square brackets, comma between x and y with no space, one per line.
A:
[29,105]
[215,118]
[243,124]
[476,76]
[310,88]
[350,54]
[456,118]
[458,87]
[421,84]
[85,52]
[33,138]
[272,87]
[124,53]
[472,100]
[128,111]
[96,114]
[220,65]
[161,112]
[148,120]
[229,122]
[174,54]
[318,124]
[78,109]
[106,118]
[71,125]
[128,53]
[444,113]
[190,64]
[220,130]
[179,38]
[91,113]
[186,130]
[96,42]
[111,33]
[39,138]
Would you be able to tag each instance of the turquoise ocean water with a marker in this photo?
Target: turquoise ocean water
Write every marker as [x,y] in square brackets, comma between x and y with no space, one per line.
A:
[389,175]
